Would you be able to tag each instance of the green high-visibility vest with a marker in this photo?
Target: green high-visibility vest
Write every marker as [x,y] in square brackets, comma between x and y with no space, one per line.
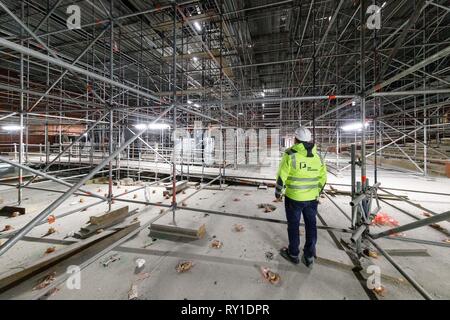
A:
[302,174]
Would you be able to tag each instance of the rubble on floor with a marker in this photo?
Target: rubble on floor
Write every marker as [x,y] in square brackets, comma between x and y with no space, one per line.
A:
[184,266]
[270,276]
[45,282]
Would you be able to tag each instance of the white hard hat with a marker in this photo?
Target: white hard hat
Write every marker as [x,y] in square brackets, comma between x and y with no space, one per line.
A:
[303,134]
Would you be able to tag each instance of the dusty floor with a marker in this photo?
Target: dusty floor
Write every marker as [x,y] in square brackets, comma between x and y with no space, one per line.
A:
[233,271]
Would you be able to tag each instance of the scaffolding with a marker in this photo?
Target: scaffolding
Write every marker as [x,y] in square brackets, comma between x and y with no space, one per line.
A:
[221,77]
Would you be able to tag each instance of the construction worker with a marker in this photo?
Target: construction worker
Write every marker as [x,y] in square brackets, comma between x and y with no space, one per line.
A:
[301,176]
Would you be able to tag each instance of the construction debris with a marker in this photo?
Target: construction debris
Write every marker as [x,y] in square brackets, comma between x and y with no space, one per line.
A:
[184,266]
[50,231]
[379,291]
[278,200]
[139,263]
[50,250]
[383,219]
[216,244]
[446,240]
[135,196]
[270,276]
[267,207]
[370,253]
[7,227]
[236,199]
[269,255]
[133,293]
[238,227]
[81,200]
[110,259]
[426,214]
[46,281]
[51,219]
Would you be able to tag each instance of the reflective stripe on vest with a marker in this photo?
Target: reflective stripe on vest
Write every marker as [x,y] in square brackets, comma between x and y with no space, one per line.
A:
[303,179]
[307,187]
[291,153]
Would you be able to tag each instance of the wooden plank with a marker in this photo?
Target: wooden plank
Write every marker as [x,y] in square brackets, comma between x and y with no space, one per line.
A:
[110,216]
[184,227]
[179,186]
[13,277]
[79,252]
[103,222]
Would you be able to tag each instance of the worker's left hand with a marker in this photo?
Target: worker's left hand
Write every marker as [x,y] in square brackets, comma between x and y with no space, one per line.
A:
[278,196]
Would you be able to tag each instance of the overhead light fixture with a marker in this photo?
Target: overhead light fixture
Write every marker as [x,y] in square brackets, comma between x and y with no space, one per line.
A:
[353,103]
[329,18]
[140,126]
[197,105]
[195,59]
[152,126]
[357,126]
[12,127]
[158,126]
[197,26]
[240,113]
[263,105]
[189,102]
[384,3]
[263,94]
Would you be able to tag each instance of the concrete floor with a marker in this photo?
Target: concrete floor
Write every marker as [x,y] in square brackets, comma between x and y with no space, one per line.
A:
[233,271]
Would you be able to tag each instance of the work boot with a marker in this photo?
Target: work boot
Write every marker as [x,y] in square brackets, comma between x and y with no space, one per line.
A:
[285,254]
[308,262]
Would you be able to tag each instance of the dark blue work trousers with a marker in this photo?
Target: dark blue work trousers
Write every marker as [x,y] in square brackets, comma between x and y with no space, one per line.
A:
[294,210]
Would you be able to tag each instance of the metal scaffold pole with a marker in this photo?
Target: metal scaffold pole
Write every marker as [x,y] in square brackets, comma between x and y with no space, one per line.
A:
[111,99]
[363,93]
[174,101]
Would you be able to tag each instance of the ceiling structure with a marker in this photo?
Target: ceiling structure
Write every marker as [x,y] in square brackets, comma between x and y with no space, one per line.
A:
[238,63]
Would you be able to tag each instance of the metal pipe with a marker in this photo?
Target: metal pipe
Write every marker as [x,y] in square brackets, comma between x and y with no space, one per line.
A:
[50,88]
[78,139]
[413,225]
[26,51]
[43,174]
[414,283]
